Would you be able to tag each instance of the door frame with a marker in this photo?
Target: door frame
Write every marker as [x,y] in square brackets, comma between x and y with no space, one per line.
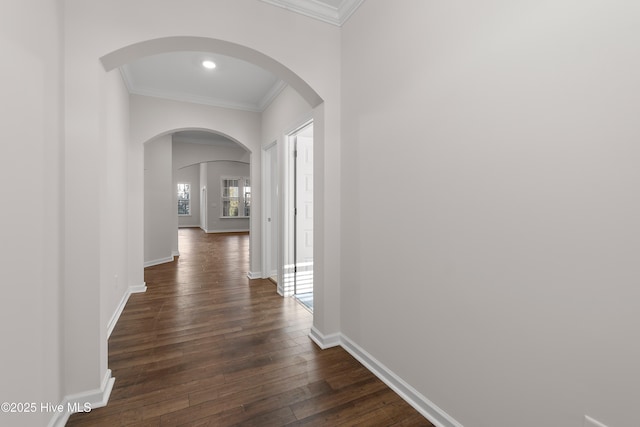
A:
[288,203]
[204,212]
[271,218]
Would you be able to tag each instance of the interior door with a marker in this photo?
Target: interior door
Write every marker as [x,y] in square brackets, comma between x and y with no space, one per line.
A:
[271,211]
[303,284]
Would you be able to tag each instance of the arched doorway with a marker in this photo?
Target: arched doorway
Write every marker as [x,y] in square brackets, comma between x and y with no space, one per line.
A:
[165,209]
[132,52]
[96,121]
[156,46]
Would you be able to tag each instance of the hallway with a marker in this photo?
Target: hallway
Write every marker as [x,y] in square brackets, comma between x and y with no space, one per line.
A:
[206,346]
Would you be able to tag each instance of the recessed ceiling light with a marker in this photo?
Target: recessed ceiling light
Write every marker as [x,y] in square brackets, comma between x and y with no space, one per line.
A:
[210,65]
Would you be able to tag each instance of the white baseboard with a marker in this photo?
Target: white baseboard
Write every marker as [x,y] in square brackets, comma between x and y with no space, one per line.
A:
[324,341]
[428,409]
[175,253]
[227,231]
[254,275]
[138,289]
[85,401]
[158,261]
[123,302]
[189,226]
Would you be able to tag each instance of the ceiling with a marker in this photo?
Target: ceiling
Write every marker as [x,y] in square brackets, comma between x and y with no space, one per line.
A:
[180,76]
[233,83]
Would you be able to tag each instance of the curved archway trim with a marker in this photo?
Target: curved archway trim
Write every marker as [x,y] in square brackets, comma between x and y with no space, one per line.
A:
[215,132]
[135,51]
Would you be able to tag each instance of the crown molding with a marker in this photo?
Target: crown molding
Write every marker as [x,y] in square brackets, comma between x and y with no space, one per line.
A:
[194,99]
[271,95]
[347,8]
[319,10]
[217,141]
[204,100]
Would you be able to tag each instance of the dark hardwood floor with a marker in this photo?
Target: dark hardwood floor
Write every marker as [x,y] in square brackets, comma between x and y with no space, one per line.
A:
[205,346]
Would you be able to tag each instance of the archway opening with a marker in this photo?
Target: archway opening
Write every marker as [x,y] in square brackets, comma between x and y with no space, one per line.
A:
[183,173]
[139,50]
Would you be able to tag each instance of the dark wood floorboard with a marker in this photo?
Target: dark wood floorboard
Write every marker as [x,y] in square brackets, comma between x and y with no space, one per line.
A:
[205,346]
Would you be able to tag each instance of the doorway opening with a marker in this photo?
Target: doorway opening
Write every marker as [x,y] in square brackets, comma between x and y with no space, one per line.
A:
[299,268]
[271,217]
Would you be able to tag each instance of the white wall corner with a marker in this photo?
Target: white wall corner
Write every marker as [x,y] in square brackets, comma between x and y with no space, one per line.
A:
[428,409]
[175,253]
[158,261]
[324,341]
[117,313]
[255,275]
[133,289]
[272,94]
[138,289]
[347,8]
[85,401]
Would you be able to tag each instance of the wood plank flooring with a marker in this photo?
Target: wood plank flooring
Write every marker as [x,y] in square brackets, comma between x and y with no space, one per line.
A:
[205,346]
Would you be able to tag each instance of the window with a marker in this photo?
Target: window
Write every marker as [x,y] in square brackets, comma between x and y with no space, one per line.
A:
[184,199]
[236,197]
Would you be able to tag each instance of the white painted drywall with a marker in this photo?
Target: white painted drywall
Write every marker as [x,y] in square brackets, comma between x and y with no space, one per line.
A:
[504,135]
[288,111]
[114,207]
[159,207]
[31,252]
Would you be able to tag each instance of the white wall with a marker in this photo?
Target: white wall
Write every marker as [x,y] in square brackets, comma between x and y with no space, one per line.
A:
[31,252]
[287,111]
[114,204]
[506,290]
[159,208]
